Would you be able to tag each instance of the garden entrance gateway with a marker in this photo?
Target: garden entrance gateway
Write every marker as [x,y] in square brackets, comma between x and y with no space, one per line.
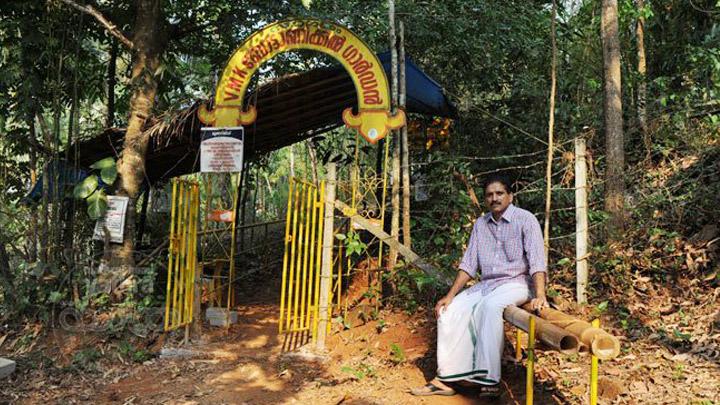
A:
[312,279]
[306,280]
[276,114]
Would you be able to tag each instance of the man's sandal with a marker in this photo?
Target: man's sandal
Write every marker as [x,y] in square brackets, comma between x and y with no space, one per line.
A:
[431,389]
[489,391]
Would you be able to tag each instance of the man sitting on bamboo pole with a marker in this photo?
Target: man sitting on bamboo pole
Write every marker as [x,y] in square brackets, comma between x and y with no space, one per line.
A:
[506,246]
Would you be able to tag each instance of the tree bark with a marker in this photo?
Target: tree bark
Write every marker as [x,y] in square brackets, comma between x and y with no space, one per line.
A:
[111,80]
[33,234]
[313,160]
[395,193]
[405,158]
[6,277]
[149,42]
[551,137]
[642,72]
[47,163]
[614,138]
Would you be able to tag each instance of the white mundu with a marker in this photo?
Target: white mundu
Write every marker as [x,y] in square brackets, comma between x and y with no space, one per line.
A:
[470,334]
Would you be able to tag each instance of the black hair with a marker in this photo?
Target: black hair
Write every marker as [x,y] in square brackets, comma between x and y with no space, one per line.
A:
[498,178]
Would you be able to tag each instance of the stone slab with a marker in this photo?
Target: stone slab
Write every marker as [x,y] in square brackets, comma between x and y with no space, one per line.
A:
[219,316]
[7,367]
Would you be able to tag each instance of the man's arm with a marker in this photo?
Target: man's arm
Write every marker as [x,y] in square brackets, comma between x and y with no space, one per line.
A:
[535,251]
[460,280]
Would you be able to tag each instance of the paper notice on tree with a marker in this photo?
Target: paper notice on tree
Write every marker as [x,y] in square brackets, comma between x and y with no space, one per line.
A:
[114,219]
[221,150]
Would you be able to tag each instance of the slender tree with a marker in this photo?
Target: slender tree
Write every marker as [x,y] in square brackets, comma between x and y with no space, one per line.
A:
[551,129]
[614,138]
[642,72]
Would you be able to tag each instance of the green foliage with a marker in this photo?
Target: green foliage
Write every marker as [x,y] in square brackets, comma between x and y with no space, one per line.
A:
[131,352]
[353,244]
[361,371]
[397,354]
[85,359]
[90,191]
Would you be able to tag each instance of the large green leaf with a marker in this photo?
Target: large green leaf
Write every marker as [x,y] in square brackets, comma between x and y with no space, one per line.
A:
[108,174]
[97,205]
[86,187]
[103,164]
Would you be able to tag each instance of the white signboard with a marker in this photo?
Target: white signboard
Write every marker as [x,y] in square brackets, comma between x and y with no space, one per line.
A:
[114,219]
[221,150]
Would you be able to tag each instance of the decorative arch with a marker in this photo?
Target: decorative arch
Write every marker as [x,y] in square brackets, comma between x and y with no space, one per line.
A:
[373,119]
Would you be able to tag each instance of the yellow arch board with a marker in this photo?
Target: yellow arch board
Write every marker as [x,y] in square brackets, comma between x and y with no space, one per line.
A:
[373,119]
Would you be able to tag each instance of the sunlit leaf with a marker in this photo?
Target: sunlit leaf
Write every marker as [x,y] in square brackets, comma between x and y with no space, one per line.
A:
[108,174]
[86,187]
[97,205]
[103,164]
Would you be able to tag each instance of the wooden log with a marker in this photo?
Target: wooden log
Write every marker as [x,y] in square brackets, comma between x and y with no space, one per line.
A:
[602,344]
[551,335]
[411,257]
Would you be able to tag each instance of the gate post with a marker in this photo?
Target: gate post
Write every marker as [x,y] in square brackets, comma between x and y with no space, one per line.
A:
[327,256]
[581,220]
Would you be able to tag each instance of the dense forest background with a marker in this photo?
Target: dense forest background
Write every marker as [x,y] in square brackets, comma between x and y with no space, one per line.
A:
[64,78]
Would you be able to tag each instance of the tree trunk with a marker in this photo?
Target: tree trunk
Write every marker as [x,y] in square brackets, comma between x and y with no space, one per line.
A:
[149,40]
[291,158]
[551,137]
[69,212]
[395,194]
[6,277]
[33,234]
[642,72]
[313,160]
[111,80]
[614,143]
[47,163]
[405,158]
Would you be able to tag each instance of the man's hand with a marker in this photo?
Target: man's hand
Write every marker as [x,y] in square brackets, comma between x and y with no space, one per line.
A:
[536,304]
[442,304]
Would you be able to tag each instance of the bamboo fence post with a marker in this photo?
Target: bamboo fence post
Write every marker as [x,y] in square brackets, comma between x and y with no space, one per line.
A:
[327,257]
[581,220]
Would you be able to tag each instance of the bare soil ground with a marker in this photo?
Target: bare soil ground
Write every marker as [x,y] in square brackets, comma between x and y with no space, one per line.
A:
[372,363]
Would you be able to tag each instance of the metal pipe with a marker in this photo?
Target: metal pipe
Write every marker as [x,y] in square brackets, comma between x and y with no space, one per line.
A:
[530,368]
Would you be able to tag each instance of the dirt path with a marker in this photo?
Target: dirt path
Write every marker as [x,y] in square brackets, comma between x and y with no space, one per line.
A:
[371,363]
[248,365]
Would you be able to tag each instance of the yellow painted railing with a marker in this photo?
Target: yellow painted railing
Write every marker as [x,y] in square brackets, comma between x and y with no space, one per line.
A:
[300,294]
[182,256]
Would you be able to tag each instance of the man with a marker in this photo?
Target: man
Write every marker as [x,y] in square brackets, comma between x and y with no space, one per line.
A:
[506,246]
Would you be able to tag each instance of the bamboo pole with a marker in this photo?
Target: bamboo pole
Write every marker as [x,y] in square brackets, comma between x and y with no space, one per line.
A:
[412,257]
[551,128]
[551,335]
[327,259]
[601,344]
[581,221]
[405,169]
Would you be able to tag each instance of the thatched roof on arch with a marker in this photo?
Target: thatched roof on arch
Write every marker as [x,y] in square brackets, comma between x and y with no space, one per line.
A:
[289,109]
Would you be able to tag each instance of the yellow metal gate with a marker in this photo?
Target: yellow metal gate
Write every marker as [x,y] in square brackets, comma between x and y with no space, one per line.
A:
[300,294]
[182,256]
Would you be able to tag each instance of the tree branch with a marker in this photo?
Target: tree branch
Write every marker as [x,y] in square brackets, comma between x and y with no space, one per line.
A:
[181,30]
[109,26]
